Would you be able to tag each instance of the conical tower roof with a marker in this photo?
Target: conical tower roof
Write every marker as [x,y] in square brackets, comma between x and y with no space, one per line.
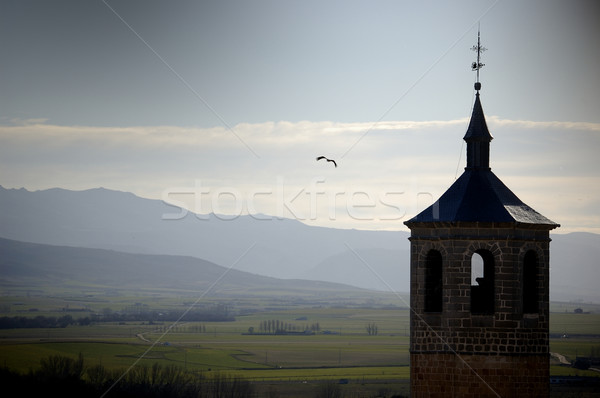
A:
[478,195]
[478,129]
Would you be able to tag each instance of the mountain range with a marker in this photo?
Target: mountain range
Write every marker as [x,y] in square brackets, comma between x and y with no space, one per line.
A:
[276,248]
[39,267]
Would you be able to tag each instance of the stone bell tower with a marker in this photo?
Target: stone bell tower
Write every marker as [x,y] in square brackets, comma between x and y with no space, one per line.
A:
[479,290]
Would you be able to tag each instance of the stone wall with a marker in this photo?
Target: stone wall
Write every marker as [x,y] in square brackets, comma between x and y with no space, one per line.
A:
[478,376]
[505,346]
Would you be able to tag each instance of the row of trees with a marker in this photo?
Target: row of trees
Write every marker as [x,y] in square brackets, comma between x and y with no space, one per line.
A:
[182,328]
[40,321]
[275,326]
[372,329]
[67,377]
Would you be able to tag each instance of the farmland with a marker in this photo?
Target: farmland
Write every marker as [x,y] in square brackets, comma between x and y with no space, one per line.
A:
[338,347]
[342,341]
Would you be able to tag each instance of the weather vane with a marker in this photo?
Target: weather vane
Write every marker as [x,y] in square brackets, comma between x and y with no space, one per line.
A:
[478,65]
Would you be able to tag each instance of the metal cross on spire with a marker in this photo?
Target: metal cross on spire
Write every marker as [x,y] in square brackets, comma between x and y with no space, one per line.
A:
[478,65]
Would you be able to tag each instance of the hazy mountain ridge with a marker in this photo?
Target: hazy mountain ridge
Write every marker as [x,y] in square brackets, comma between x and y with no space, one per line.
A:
[281,248]
[38,265]
[100,218]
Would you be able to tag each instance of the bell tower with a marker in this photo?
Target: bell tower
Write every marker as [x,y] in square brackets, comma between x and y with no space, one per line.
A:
[479,290]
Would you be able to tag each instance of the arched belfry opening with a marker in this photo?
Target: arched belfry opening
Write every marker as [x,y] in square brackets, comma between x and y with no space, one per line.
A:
[482,282]
[479,284]
[433,281]
[476,269]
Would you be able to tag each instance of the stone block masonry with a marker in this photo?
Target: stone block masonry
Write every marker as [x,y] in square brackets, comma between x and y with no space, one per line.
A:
[460,351]
[447,375]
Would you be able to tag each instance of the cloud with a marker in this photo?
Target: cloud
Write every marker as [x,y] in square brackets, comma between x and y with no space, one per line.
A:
[584,126]
[390,171]
[269,135]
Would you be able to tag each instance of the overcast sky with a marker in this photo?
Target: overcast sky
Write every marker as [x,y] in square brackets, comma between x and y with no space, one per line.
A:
[224,105]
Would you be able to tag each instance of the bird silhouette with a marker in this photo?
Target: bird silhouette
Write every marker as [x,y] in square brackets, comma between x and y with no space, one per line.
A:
[329,160]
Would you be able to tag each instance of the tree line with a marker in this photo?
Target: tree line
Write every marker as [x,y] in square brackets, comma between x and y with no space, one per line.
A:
[181,328]
[68,377]
[372,329]
[41,321]
[276,326]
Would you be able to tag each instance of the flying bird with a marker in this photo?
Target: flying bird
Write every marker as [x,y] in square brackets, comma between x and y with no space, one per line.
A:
[329,160]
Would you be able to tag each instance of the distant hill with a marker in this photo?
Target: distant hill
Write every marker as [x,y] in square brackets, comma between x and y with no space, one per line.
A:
[37,266]
[101,218]
[280,248]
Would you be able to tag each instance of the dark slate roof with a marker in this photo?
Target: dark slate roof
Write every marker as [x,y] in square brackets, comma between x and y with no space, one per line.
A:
[477,129]
[479,196]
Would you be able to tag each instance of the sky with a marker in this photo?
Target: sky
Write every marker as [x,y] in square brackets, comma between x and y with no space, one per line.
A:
[223,106]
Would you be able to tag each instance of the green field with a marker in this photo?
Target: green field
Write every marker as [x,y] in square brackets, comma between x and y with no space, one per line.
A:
[341,349]
[226,346]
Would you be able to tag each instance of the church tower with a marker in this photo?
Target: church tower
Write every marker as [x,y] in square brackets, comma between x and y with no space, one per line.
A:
[479,290]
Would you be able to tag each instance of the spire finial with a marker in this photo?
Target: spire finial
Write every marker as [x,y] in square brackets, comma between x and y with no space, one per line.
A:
[478,65]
